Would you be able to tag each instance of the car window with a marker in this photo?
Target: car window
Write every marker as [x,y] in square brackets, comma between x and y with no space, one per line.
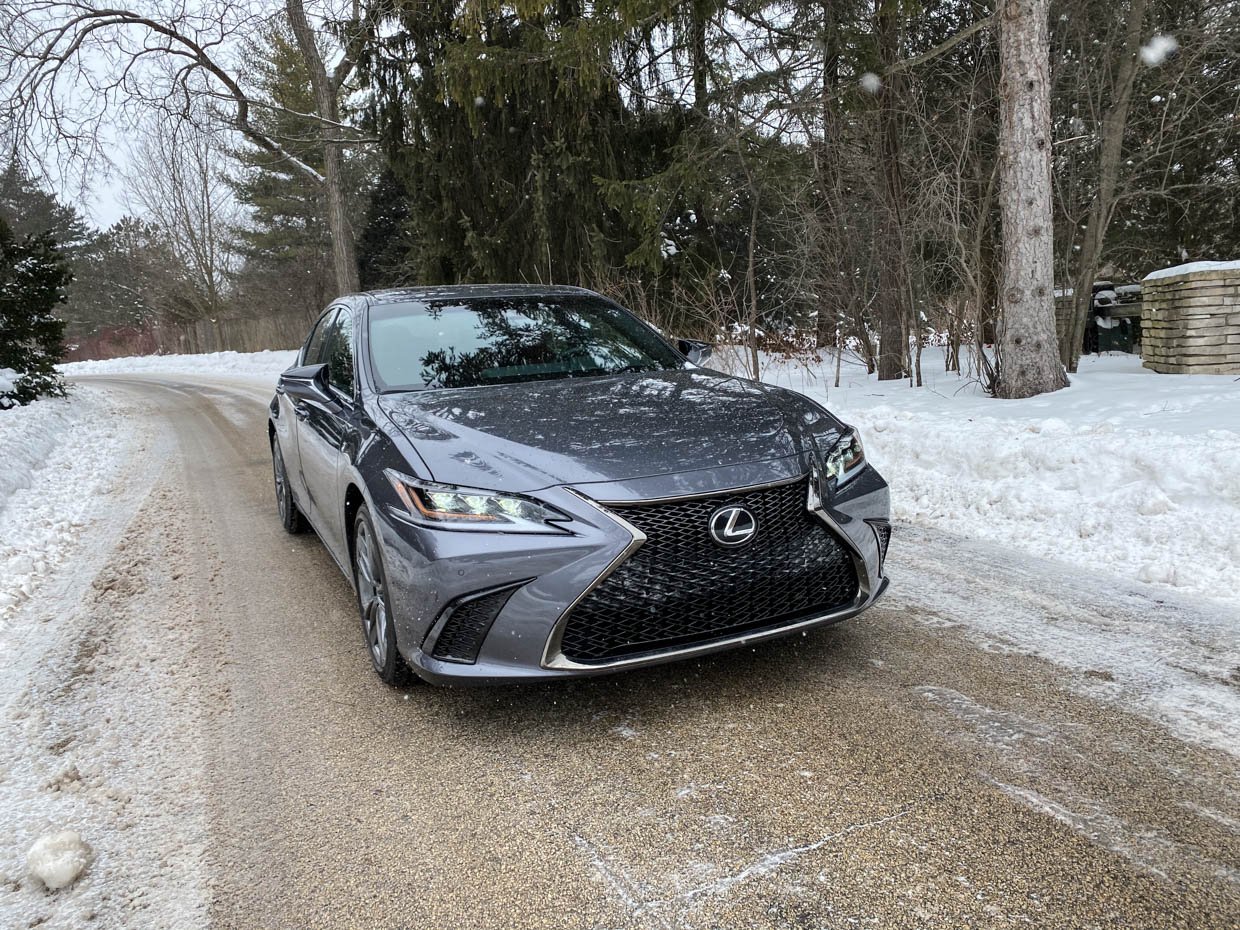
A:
[496,340]
[312,354]
[338,353]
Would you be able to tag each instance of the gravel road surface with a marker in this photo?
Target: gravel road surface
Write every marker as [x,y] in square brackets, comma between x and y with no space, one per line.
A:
[953,758]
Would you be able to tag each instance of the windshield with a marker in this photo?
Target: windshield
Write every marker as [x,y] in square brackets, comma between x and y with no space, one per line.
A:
[498,340]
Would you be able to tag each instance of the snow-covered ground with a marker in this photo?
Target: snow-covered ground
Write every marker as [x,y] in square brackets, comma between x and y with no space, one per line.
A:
[1126,473]
[99,738]
[59,455]
[209,363]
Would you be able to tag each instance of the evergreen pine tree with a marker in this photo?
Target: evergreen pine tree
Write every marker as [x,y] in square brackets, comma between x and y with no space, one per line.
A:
[33,278]
[286,245]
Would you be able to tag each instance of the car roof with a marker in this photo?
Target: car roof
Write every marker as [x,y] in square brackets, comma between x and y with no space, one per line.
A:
[464,291]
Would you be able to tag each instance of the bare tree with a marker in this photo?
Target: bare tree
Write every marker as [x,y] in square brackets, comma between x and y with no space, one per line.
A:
[893,301]
[176,178]
[67,66]
[1027,354]
[1113,125]
[1143,89]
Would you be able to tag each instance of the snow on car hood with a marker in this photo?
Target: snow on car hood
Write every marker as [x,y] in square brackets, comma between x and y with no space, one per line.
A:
[572,431]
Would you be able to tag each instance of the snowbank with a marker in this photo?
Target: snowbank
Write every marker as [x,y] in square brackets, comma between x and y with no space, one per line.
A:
[58,454]
[211,363]
[1124,473]
[100,733]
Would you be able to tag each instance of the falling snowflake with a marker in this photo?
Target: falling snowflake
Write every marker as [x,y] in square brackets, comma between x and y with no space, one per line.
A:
[871,82]
[1155,52]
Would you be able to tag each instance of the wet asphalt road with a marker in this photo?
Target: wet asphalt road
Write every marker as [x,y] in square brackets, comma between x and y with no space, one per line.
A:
[886,773]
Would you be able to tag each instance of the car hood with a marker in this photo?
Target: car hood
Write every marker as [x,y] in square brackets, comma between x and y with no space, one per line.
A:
[522,437]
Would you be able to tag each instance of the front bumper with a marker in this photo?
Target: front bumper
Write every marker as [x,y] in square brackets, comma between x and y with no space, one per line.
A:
[540,578]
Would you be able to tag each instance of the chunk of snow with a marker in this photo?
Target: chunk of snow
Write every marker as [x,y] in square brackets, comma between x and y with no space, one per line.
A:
[7,378]
[1155,52]
[57,859]
[871,82]
[1191,267]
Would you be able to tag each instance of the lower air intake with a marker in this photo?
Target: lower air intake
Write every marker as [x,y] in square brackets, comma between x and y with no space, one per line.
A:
[883,532]
[469,621]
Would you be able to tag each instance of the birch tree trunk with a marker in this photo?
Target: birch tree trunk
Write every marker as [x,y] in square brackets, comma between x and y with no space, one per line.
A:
[1027,353]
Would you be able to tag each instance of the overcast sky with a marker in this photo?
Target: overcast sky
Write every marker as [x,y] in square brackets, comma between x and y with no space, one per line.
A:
[107,204]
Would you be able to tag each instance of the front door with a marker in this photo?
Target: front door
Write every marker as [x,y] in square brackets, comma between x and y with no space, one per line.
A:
[322,433]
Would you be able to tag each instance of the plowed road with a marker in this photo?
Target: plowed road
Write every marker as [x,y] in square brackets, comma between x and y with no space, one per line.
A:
[1001,743]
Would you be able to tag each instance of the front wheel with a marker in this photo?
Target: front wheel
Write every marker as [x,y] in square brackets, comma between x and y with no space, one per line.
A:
[372,602]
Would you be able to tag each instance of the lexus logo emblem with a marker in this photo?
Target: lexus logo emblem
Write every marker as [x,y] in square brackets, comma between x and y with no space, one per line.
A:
[732,526]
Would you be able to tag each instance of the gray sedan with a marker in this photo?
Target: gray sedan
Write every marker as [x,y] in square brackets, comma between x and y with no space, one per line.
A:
[530,482]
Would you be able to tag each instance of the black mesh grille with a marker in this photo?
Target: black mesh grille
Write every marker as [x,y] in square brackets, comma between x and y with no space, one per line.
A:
[467,626]
[883,532]
[681,587]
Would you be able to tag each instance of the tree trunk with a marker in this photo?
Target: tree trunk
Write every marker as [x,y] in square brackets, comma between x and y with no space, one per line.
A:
[1114,123]
[1026,351]
[892,306]
[752,287]
[344,255]
[697,49]
[828,251]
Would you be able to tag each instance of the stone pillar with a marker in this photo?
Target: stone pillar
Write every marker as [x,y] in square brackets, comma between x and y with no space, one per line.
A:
[1190,319]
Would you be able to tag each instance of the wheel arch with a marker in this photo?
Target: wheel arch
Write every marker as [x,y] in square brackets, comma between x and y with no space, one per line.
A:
[354,500]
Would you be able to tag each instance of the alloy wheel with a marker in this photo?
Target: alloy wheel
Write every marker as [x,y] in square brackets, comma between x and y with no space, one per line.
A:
[277,466]
[370,595]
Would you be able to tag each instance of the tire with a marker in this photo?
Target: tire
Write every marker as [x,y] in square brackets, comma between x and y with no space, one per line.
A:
[373,605]
[290,516]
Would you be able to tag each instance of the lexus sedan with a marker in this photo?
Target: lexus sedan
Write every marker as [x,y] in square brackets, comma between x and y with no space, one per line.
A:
[530,482]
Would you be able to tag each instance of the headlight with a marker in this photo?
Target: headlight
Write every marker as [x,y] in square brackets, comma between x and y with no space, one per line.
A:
[846,459]
[449,507]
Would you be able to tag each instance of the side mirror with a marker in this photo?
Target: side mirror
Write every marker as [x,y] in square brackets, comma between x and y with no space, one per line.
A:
[309,382]
[695,351]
